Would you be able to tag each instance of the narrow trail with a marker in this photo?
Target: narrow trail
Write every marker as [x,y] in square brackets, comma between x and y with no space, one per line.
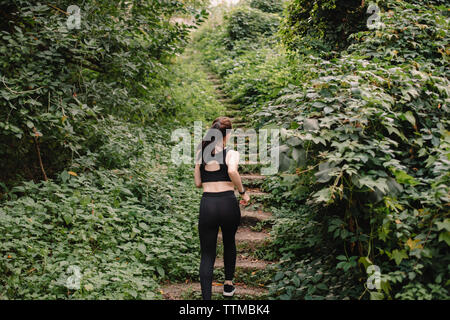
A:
[252,274]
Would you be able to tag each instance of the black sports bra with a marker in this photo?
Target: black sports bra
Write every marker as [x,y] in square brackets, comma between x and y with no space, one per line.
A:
[217,175]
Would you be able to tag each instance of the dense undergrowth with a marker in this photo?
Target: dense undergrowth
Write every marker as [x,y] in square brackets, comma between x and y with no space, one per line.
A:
[59,80]
[126,216]
[366,145]
[114,218]
[119,226]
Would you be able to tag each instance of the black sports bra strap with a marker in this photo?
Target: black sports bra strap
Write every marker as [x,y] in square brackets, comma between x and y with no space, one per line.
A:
[218,175]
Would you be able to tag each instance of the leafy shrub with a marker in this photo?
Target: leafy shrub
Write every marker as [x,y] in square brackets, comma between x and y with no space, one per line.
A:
[199,103]
[120,227]
[311,278]
[323,24]
[271,6]
[252,68]
[366,134]
[121,147]
[56,83]
[372,123]
[247,23]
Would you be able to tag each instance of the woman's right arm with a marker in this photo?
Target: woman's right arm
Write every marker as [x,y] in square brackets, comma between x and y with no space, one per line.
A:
[197,176]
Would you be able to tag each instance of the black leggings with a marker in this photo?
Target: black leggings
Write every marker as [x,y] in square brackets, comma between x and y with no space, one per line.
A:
[217,209]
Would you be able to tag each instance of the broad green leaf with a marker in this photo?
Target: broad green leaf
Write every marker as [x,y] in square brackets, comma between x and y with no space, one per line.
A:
[310,125]
[443,225]
[399,255]
[374,295]
[410,117]
[404,178]
[160,270]
[323,195]
[67,218]
[445,236]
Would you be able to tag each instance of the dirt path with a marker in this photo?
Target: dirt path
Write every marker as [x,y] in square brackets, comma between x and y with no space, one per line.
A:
[251,273]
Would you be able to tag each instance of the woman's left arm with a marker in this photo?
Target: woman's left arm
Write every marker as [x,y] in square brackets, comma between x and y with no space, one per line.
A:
[233,162]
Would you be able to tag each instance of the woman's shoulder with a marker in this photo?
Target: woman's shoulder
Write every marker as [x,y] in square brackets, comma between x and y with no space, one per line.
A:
[231,154]
[231,151]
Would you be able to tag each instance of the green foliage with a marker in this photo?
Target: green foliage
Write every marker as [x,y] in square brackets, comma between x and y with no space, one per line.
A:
[120,227]
[311,278]
[60,82]
[271,6]
[191,93]
[321,25]
[252,69]
[365,145]
[247,23]
[114,205]
[380,142]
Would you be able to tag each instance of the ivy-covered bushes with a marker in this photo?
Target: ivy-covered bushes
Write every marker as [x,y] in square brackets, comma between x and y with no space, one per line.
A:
[272,6]
[366,129]
[57,79]
[120,228]
[247,23]
[374,124]
[323,24]
[88,104]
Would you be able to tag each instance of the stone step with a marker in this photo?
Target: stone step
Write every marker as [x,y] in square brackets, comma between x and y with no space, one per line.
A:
[225,101]
[178,291]
[232,113]
[255,192]
[221,95]
[237,120]
[253,177]
[252,180]
[252,216]
[243,262]
[245,235]
[232,106]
